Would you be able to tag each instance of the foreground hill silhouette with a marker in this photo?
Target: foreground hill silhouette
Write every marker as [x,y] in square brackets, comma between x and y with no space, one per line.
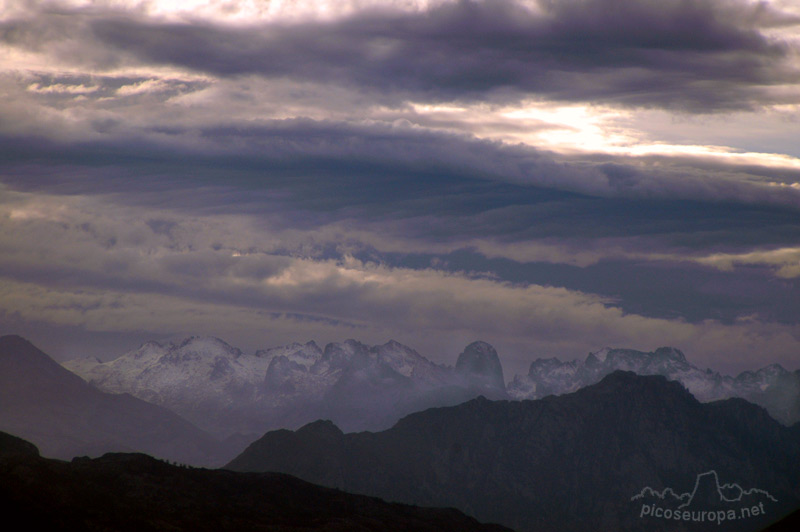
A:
[134,492]
[567,463]
[65,417]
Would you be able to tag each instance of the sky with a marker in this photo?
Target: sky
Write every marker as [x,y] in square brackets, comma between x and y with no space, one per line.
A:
[548,176]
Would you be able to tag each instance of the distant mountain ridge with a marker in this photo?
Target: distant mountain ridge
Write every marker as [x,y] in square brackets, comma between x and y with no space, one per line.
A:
[65,417]
[361,387]
[772,387]
[225,391]
[562,463]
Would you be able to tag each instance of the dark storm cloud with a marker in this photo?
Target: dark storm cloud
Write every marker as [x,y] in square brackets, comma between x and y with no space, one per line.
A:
[700,56]
[432,187]
[336,165]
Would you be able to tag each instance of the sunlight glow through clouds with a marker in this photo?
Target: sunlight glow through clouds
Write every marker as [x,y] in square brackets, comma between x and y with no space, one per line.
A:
[571,129]
[574,129]
[245,11]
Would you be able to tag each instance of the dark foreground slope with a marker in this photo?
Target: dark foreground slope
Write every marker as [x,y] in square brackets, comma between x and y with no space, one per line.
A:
[65,417]
[577,462]
[134,492]
[790,523]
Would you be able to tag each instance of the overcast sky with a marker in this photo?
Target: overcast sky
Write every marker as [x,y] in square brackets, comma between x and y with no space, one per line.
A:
[549,176]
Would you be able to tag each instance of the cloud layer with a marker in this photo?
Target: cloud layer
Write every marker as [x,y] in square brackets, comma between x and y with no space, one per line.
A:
[700,56]
[551,177]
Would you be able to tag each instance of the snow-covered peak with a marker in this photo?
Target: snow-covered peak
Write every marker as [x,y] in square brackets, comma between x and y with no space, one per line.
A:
[206,345]
[271,352]
[771,372]
[340,353]
[662,361]
[394,344]
[149,347]
[552,366]
[408,362]
[762,377]
[400,358]
[670,353]
[304,354]
[602,354]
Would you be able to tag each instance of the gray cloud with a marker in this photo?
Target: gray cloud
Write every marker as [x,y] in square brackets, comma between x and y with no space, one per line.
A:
[697,56]
[392,169]
[167,198]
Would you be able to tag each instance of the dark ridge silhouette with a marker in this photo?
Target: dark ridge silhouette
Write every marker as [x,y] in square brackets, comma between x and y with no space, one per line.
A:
[11,446]
[134,492]
[566,463]
[66,417]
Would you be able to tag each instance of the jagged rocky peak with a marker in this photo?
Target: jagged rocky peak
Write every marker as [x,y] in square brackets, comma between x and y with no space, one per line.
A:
[393,348]
[552,365]
[148,350]
[480,361]
[199,348]
[399,357]
[150,344]
[342,352]
[311,345]
[611,356]
[631,359]
[766,375]
[772,371]
[203,344]
[601,355]
[305,355]
[281,368]
[670,353]
[394,344]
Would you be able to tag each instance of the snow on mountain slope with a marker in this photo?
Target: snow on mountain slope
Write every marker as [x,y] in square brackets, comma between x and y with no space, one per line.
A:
[409,363]
[362,387]
[772,387]
[225,391]
[171,373]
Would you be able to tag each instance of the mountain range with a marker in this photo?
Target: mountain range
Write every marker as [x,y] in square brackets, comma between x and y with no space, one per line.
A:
[772,386]
[605,456]
[359,387]
[225,391]
[573,462]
